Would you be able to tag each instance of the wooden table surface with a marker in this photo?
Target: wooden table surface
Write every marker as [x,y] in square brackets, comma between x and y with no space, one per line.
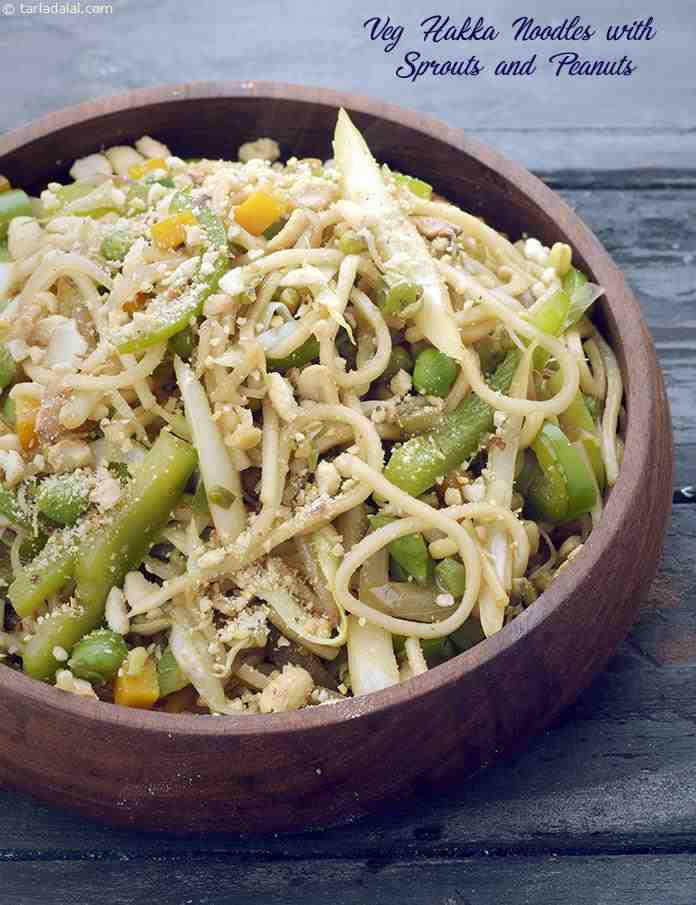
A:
[602,807]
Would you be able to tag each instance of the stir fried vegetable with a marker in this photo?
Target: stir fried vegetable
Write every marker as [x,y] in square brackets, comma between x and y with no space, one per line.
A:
[103,558]
[272,435]
[417,464]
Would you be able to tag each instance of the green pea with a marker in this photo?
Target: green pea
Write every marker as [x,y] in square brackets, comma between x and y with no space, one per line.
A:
[450,576]
[8,368]
[171,678]
[98,656]
[115,246]
[63,498]
[434,373]
[350,243]
[183,343]
[399,360]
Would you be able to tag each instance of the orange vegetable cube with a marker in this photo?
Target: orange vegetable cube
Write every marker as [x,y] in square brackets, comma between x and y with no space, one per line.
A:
[258,212]
[141,690]
[171,232]
[25,424]
[138,170]
[4,184]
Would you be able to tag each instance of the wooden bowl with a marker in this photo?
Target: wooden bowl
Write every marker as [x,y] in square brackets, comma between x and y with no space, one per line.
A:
[329,764]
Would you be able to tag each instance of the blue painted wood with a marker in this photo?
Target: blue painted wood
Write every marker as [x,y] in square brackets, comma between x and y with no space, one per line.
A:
[543,121]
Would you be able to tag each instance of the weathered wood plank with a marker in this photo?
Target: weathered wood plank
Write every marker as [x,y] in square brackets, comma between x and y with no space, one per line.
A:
[652,236]
[635,880]
[623,180]
[615,774]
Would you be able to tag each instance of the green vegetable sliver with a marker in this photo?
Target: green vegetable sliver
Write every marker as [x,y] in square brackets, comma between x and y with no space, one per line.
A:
[434,373]
[304,355]
[417,464]
[450,575]
[110,551]
[8,368]
[11,509]
[565,489]
[578,425]
[166,317]
[417,186]
[14,203]
[410,552]
[171,677]
[45,575]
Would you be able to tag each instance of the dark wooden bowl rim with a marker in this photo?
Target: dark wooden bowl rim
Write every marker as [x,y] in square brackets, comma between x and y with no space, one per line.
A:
[614,523]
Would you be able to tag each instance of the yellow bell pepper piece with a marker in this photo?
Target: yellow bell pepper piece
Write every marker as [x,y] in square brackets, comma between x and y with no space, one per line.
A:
[141,690]
[258,212]
[171,232]
[4,184]
[138,170]
[25,423]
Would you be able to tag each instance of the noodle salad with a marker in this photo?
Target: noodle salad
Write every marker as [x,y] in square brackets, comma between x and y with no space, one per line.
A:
[272,435]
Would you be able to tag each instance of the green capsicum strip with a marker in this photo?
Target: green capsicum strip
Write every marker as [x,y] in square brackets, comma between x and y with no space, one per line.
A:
[48,572]
[417,464]
[579,426]
[105,555]
[165,317]
[563,488]
[410,552]
[549,317]
[304,355]
[575,285]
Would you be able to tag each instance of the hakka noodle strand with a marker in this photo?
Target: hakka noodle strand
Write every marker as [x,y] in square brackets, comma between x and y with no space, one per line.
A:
[272,434]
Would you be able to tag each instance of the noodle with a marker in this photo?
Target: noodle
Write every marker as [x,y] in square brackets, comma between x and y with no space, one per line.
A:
[285,422]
